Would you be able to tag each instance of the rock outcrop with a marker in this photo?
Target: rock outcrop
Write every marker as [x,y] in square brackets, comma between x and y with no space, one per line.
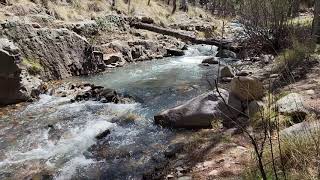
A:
[16,83]
[61,53]
[199,112]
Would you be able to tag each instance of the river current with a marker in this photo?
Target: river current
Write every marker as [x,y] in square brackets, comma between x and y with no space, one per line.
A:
[30,147]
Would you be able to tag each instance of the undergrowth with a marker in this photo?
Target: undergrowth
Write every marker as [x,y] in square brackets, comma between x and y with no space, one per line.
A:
[33,66]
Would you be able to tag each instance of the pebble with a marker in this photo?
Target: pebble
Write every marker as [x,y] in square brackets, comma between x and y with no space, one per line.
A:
[310,92]
[214,173]
[274,75]
[185,178]
[244,73]
[226,79]
[170,176]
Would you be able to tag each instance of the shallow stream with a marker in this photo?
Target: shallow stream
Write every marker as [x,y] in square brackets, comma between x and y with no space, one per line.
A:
[70,149]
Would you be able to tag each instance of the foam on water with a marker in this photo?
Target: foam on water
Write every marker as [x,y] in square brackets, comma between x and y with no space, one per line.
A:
[64,149]
[65,153]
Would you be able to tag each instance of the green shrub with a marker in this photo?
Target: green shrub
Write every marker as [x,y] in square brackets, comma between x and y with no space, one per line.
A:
[289,59]
[33,66]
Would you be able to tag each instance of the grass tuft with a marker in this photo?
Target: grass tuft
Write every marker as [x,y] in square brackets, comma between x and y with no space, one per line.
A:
[33,66]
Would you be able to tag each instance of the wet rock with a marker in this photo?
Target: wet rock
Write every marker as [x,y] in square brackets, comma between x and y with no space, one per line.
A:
[103,134]
[173,149]
[226,54]
[243,73]
[292,105]
[199,112]
[109,94]
[247,88]
[226,71]
[137,52]
[184,47]
[211,60]
[104,95]
[175,52]
[115,59]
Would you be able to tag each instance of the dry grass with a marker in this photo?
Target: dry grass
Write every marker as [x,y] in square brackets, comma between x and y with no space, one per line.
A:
[33,66]
[291,58]
[299,157]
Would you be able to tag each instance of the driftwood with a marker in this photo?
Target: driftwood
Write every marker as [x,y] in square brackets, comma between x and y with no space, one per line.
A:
[184,37]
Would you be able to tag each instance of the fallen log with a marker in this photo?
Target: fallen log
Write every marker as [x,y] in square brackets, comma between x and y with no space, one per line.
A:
[184,37]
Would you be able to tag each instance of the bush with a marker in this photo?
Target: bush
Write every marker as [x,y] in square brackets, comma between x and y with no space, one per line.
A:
[33,66]
[298,158]
[94,6]
[289,59]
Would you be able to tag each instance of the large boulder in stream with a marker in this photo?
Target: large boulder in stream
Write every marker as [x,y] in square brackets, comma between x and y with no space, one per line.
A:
[200,111]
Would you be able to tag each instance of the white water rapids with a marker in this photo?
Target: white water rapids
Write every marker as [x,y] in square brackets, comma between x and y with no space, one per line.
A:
[70,150]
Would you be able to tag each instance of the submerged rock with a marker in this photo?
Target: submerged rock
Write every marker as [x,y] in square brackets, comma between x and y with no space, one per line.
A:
[211,60]
[200,111]
[175,52]
[103,134]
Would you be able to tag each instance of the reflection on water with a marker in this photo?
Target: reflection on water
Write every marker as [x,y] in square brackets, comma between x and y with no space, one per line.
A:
[67,148]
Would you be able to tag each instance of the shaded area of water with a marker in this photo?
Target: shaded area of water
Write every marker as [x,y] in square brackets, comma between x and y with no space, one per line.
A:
[70,150]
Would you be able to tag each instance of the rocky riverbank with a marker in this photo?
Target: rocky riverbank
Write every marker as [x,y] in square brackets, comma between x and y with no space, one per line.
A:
[37,54]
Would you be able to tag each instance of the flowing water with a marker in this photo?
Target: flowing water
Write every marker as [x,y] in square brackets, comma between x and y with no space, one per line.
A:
[70,150]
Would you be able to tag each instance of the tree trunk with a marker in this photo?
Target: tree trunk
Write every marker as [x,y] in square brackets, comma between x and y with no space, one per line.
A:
[184,5]
[295,8]
[316,22]
[174,6]
[185,37]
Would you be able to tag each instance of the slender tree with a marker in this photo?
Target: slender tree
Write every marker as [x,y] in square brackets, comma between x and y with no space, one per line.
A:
[174,6]
[316,21]
[184,5]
